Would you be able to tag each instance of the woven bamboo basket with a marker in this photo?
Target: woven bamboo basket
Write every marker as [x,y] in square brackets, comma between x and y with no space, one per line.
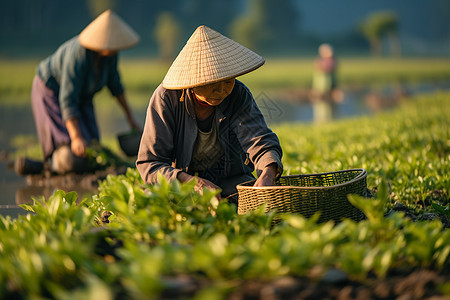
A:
[308,194]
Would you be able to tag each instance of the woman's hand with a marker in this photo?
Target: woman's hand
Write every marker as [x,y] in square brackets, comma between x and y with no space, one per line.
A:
[201,183]
[267,177]
[77,143]
[204,183]
[78,146]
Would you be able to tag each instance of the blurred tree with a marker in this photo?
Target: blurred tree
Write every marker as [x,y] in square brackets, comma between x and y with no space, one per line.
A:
[214,14]
[249,29]
[268,24]
[167,34]
[246,31]
[96,7]
[378,26]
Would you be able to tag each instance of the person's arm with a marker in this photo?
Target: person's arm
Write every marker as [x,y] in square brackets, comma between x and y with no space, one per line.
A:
[157,147]
[126,108]
[73,69]
[268,176]
[261,143]
[78,144]
[117,90]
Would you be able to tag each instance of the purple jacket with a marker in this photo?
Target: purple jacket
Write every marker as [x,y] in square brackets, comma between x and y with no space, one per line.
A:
[170,132]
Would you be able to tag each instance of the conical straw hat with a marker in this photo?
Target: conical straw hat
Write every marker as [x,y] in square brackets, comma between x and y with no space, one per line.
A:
[108,32]
[209,57]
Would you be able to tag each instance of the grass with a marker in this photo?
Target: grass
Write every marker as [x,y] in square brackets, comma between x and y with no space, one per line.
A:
[409,148]
[142,76]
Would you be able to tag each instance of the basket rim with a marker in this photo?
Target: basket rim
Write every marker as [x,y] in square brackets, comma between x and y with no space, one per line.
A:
[363,173]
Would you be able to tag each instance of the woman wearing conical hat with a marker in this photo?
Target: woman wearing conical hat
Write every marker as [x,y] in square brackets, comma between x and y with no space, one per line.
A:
[203,123]
[64,87]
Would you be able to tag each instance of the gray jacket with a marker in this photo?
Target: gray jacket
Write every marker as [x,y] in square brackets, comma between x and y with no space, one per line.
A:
[170,132]
[72,74]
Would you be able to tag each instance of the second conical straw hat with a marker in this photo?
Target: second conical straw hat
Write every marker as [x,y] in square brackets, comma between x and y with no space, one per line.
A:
[108,32]
[209,57]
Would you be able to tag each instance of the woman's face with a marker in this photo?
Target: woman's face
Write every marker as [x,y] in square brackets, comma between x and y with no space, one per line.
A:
[107,52]
[214,93]
[325,51]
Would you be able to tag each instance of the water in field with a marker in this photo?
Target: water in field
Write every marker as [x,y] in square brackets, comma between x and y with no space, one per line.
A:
[16,122]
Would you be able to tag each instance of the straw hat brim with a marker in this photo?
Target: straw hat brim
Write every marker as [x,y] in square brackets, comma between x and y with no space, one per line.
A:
[108,32]
[209,57]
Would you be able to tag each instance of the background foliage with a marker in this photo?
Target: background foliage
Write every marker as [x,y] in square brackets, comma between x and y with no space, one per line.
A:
[34,28]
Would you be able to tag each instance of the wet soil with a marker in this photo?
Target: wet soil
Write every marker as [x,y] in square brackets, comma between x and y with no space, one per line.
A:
[419,284]
[401,285]
[88,181]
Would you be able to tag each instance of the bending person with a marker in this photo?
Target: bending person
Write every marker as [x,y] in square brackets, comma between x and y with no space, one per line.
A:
[63,90]
[203,123]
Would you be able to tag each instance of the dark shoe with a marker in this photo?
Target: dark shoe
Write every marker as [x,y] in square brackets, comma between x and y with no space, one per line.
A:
[26,166]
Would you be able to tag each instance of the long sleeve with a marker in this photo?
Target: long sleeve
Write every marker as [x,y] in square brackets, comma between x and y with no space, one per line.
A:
[113,82]
[157,149]
[258,140]
[72,74]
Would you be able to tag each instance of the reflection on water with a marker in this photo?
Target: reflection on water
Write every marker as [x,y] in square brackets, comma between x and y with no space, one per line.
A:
[15,192]
[276,108]
[26,194]
[277,111]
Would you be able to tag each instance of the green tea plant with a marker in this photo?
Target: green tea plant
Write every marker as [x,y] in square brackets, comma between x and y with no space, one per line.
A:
[101,157]
[133,240]
[166,230]
[443,210]
[408,148]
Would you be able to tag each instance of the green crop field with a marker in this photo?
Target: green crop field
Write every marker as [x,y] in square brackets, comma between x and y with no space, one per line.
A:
[165,241]
[142,76]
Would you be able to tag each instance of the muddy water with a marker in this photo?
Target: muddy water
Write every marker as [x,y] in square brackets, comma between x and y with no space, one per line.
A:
[19,121]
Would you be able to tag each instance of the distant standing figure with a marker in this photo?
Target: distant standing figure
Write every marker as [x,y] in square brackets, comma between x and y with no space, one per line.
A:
[63,90]
[325,94]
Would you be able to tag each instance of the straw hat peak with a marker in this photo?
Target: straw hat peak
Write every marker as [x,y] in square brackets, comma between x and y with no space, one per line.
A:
[205,32]
[108,32]
[209,57]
